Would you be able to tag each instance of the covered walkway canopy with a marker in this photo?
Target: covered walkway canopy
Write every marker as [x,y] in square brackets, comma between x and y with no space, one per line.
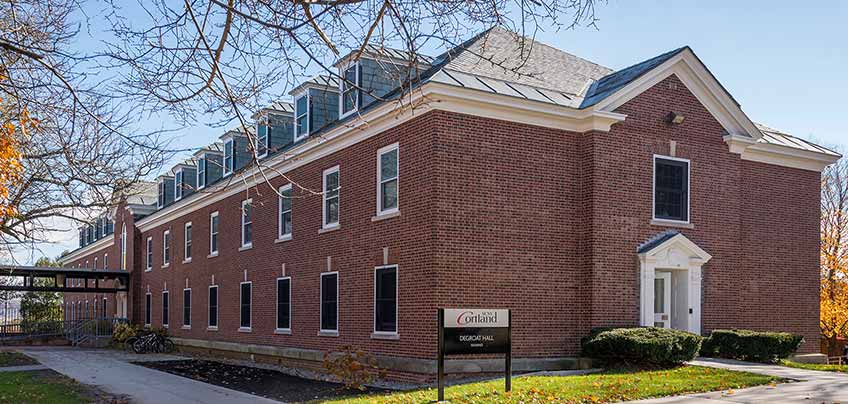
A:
[92,281]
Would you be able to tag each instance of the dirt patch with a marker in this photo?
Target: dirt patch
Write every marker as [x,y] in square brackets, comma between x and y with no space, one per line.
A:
[10,358]
[261,382]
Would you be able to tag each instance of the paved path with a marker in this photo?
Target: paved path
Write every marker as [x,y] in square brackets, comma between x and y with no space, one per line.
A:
[111,371]
[813,387]
[23,368]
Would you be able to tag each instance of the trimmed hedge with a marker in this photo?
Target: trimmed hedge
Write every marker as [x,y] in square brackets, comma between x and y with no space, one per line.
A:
[642,346]
[750,346]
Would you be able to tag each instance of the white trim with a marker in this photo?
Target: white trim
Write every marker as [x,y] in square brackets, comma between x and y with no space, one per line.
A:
[187,242]
[225,172]
[248,245]
[305,93]
[217,308]
[166,292]
[106,261]
[654,217]
[374,302]
[123,247]
[250,320]
[324,224]
[166,258]
[752,150]
[98,245]
[356,88]
[187,326]
[148,257]
[205,163]
[280,235]
[322,331]
[178,185]
[278,330]
[214,253]
[267,144]
[380,152]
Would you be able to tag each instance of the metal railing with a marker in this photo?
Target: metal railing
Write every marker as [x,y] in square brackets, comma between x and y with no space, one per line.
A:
[96,331]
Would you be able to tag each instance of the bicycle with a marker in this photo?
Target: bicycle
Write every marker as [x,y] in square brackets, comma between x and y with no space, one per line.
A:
[153,343]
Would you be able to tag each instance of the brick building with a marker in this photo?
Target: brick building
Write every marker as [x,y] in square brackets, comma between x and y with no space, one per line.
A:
[576,195]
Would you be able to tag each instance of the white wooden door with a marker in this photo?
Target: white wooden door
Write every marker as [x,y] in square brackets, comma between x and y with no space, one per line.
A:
[662,300]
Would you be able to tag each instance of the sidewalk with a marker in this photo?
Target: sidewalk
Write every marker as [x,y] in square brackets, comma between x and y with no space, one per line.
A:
[111,371]
[811,386]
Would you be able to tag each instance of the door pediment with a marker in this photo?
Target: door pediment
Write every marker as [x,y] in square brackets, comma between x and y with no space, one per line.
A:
[672,249]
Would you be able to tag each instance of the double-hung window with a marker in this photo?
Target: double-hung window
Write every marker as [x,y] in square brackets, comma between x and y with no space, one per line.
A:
[245,300]
[261,140]
[330,302]
[187,242]
[201,173]
[349,90]
[166,248]
[165,307]
[229,156]
[284,304]
[671,189]
[213,234]
[160,200]
[247,223]
[105,261]
[213,307]
[284,221]
[178,185]
[186,308]
[331,197]
[301,116]
[95,263]
[149,254]
[148,306]
[385,299]
[387,179]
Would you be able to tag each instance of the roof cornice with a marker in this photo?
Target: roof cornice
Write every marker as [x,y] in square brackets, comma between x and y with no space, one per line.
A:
[91,248]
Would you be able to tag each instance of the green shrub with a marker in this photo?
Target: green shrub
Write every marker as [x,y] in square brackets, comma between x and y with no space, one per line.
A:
[751,346]
[643,346]
[123,331]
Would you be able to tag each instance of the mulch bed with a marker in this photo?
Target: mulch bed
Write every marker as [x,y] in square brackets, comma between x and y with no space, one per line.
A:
[261,382]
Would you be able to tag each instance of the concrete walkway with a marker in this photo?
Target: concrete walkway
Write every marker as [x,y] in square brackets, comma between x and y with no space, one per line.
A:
[811,386]
[111,371]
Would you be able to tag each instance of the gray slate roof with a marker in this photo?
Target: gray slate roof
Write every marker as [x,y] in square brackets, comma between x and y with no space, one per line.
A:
[320,80]
[776,137]
[613,82]
[655,241]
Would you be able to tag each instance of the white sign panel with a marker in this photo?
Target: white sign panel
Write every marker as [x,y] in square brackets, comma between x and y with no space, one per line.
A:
[476,318]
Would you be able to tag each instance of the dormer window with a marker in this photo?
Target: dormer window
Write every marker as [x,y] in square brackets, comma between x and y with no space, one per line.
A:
[201,172]
[229,157]
[349,99]
[301,116]
[160,201]
[178,185]
[261,139]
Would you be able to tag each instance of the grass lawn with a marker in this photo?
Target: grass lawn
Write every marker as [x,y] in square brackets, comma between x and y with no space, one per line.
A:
[9,358]
[603,387]
[40,387]
[815,366]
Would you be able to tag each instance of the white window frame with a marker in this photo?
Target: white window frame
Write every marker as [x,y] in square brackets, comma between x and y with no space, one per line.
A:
[164,324]
[149,255]
[230,145]
[397,302]
[267,138]
[383,150]
[217,309]
[187,242]
[277,306]
[201,173]
[213,234]
[244,245]
[324,224]
[250,328]
[106,261]
[190,296]
[356,87]
[280,228]
[688,190]
[95,263]
[321,303]
[148,311]
[123,246]
[160,189]
[166,249]
[298,137]
[178,184]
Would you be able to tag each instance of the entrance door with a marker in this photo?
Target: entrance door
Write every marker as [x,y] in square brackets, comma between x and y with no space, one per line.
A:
[662,300]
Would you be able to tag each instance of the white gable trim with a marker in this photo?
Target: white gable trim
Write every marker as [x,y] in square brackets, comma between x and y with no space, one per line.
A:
[681,243]
[89,249]
[779,155]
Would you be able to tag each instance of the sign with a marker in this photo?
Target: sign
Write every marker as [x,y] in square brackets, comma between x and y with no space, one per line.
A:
[473,332]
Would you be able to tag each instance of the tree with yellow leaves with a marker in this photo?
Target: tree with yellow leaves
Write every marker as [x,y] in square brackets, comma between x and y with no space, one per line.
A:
[10,157]
[834,255]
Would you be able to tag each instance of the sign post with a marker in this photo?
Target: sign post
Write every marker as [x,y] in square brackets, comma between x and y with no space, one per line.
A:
[474,332]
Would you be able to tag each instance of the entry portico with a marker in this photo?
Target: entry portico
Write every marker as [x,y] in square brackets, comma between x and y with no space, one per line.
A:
[670,288]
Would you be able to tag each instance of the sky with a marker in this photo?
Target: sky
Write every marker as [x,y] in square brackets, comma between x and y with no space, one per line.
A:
[786,62]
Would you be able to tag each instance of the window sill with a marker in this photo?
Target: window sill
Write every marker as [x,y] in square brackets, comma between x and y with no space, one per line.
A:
[283,239]
[211,328]
[385,335]
[164,325]
[165,266]
[246,247]
[245,329]
[385,215]
[672,223]
[148,269]
[186,327]
[188,261]
[328,333]
[213,255]
[283,331]
[329,228]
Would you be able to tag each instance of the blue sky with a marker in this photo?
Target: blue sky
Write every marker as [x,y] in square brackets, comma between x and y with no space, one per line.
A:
[786,62]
